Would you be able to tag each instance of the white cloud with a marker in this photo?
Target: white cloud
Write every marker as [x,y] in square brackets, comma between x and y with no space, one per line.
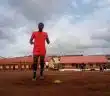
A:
[75,5]
[87,1]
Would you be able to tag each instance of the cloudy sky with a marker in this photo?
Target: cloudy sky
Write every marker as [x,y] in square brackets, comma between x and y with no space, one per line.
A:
[74,26]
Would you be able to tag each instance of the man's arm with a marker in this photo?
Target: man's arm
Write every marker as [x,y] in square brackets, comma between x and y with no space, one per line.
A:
[31,39]
[47,39]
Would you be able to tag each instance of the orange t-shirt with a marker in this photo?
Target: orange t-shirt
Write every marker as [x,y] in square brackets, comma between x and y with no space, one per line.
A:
[39,42]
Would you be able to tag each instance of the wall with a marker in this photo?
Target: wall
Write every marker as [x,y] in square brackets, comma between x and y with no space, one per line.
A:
[26,66]
[77,66]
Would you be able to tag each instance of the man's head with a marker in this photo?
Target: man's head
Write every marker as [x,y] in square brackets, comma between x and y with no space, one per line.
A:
[40,26]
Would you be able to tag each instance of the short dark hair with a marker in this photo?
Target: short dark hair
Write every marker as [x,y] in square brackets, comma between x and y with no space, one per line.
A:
[41,24]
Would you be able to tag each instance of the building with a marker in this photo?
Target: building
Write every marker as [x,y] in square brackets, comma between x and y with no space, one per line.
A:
[75,62]
[18,63]
[54,62]
[108,58]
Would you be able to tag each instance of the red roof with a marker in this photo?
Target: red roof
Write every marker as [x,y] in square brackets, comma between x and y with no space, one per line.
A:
[20,59]
[4,61]
[64,59]
[83,59]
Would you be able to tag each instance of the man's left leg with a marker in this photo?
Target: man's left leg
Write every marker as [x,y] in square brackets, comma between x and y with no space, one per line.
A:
[42,62]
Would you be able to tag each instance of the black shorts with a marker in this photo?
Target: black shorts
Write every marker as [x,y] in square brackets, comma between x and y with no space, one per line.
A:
[35,61]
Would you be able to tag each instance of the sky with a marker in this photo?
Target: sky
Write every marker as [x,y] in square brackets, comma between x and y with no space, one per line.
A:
[73,26]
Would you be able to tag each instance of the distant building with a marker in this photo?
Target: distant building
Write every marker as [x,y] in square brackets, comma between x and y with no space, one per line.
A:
[75,62]
[18,63]
[108,58]
[55,62]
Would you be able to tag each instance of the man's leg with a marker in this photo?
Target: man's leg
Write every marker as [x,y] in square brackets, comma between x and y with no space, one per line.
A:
[42,62]
[35,63]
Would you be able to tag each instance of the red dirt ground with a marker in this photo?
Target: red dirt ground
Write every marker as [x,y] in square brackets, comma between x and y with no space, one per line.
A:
[73,84]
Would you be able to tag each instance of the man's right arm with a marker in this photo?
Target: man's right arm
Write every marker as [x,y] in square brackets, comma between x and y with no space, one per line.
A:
[47,39]
[31,39]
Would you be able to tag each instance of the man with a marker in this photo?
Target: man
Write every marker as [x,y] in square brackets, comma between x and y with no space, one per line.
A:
[101,68]
[39,50]
[104,67]
[82,67]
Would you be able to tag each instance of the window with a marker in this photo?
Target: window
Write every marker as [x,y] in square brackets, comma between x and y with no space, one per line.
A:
[91,65]
[22,66]
[76,65]
[16,66]
[7,67]
[27,66]
[11,67]
[1,67]
[72,65]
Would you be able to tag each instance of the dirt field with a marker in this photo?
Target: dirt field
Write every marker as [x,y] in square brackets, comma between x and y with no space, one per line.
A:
[73,84]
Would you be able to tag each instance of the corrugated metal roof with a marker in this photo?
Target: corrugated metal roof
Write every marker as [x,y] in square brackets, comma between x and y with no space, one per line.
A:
[63,59]
[20,59]
[83,59]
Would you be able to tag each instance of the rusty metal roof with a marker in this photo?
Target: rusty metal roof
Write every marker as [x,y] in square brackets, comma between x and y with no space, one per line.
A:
[83,59]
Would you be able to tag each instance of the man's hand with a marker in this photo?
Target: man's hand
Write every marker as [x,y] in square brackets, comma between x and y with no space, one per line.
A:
[31,41]
[47,40]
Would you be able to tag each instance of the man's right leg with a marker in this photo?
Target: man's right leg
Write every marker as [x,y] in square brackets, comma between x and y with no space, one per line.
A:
[35,63]
[42,62]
